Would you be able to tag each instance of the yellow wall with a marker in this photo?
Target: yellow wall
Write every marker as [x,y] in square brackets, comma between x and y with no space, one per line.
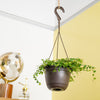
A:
[82,39]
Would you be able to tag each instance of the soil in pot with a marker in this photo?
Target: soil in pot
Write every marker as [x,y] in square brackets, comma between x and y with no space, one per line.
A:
[57,81]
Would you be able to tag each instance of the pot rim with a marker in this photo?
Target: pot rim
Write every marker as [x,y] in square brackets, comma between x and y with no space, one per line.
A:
[51,68]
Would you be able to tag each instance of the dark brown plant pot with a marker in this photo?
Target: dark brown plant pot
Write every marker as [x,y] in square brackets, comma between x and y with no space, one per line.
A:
[6,90]
[57,81]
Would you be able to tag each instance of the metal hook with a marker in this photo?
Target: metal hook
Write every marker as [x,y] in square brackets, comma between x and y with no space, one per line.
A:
[56,13]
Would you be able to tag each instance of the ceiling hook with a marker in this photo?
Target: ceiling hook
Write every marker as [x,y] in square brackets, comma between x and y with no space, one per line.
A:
[56,13]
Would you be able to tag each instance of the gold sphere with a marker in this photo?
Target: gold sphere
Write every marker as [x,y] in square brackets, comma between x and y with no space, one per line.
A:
[11,66]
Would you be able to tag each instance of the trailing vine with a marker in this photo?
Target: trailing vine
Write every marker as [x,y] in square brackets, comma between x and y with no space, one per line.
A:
[74,65]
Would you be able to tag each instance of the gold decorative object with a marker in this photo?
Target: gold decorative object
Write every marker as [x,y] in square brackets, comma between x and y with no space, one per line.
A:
[11,66]
[24,94]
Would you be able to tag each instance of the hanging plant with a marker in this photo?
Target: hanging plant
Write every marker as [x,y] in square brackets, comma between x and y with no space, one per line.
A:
[68,68]
[59,72]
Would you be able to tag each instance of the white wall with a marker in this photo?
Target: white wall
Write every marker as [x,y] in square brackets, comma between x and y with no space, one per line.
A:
[34,44]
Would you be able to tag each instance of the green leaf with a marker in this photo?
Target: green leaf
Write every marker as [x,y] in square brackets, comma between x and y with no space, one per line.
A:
[54,70]
[74,76]
[39,83]
[94,71]
[93,67]
[94,78]
[92,74]
[59,69]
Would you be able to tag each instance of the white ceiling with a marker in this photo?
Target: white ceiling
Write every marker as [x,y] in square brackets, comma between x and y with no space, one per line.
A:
[41,12]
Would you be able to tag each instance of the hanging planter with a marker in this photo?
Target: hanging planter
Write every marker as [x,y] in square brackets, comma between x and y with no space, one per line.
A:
[59,72]
[57,78]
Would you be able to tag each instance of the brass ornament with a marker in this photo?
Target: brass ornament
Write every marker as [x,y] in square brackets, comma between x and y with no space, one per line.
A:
[11,65]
